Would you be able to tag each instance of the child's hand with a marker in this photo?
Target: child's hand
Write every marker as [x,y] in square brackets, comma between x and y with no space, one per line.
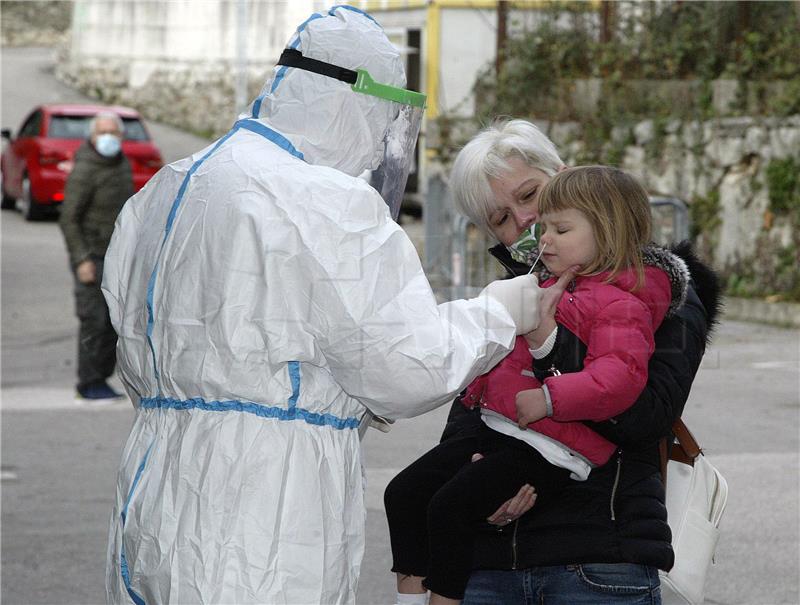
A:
[531,406]
[549,301]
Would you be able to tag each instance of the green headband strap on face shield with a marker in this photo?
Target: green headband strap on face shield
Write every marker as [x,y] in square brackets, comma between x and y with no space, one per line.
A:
[360,79]
[366,85]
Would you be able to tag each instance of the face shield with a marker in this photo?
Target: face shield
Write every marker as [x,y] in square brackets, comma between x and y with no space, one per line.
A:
[390,177]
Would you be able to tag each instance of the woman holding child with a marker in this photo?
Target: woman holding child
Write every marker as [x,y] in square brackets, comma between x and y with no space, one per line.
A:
[597,384]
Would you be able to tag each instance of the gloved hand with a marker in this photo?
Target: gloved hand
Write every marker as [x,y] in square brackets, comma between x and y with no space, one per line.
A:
[520,296]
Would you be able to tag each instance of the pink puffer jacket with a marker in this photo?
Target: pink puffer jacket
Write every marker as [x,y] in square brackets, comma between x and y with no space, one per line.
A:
[617,326]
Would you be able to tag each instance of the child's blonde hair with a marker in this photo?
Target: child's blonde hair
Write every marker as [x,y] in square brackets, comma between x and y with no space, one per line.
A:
[617,207]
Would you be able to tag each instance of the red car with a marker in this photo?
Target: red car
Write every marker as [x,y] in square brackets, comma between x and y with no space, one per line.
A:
[35,165]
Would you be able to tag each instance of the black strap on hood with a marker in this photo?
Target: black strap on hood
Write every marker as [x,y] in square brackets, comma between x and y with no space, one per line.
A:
[291,57]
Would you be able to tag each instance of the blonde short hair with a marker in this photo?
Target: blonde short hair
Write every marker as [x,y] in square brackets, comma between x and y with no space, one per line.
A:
[617,207]
[486,157]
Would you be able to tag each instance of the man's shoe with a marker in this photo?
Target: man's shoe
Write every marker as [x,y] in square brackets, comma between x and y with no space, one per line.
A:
[98,393]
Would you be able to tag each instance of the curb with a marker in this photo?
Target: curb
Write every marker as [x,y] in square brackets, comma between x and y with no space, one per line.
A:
[781,314]
[29,398]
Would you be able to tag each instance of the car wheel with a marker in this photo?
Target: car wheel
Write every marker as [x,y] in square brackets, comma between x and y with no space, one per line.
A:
[31,211]
[8,202]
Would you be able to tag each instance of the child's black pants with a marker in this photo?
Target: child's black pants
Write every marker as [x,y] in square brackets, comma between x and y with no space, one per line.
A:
[435,506]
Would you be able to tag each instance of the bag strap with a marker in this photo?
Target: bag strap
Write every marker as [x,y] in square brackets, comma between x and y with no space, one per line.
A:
[685,448]
[688,449]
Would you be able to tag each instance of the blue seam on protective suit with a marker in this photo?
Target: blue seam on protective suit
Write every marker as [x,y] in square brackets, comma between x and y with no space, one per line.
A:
[278,78]
[294,375]
[123,563]
[170,219]
[304,24]
[282,71]
[251,125]
[246,407]
[267,132]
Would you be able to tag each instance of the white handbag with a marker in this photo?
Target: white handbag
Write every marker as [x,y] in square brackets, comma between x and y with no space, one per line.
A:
[696,497]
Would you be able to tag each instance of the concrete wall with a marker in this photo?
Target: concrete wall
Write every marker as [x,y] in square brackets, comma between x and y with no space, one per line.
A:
[468,42]
[177,60]
[180,32]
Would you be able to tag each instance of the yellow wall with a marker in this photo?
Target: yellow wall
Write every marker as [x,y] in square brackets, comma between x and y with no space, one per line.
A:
[432,39]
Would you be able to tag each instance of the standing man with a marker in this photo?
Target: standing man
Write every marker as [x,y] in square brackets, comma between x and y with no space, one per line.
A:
[264,299]
[98,186]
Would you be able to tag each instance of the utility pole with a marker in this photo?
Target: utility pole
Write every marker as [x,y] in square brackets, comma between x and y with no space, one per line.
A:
[502,21]
[240,90]
[606,21]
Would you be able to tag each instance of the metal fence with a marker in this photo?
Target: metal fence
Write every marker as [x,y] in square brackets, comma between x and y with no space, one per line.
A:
[456,260]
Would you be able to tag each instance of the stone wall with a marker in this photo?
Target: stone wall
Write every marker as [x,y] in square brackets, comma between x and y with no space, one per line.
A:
[719,167]
[34,22]
[195,97]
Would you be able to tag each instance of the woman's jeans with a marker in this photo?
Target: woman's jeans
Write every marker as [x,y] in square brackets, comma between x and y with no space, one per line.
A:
[594,583]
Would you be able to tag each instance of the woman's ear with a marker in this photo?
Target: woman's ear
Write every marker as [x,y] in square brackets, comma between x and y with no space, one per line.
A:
[563,168]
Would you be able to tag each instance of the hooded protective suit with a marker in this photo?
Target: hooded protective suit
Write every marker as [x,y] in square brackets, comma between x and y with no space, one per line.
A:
[263,296]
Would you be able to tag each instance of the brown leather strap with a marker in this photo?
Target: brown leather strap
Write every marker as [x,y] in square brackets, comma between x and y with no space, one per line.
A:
[684,449]
[688,449]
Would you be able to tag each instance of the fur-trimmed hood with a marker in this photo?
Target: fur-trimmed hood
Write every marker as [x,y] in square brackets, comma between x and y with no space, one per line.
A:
[675,268]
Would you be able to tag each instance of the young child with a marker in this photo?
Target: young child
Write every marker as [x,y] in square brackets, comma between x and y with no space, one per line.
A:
[597,218]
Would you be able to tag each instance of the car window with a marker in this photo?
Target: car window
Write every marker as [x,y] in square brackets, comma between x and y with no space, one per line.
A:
[134,130]
[77,127]
[69,127]
[32,125]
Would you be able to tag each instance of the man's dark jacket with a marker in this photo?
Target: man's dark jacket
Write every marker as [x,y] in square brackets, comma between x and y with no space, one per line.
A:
[618,515]
[96,190]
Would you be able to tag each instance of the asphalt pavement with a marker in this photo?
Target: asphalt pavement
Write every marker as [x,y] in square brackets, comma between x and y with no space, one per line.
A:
[59,459]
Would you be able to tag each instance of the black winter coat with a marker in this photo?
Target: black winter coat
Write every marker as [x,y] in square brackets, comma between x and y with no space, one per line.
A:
[96,190]
[617,515]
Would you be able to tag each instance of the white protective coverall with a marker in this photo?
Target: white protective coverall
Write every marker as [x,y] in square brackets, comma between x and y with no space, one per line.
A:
[263,296]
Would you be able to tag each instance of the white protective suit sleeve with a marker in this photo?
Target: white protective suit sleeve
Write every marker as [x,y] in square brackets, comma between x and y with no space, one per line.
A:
[392,347]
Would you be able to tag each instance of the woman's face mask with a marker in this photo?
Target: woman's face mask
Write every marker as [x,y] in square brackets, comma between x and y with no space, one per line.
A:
[108,145]
[524,249]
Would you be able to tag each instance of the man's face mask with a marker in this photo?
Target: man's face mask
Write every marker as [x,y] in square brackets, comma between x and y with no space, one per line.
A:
[524,249]
[108,145]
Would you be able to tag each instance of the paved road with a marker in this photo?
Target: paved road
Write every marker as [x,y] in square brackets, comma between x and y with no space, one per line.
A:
[27,81]
[59,459]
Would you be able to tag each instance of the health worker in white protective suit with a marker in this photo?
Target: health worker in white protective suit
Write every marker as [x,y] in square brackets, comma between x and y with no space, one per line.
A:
[264,299]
